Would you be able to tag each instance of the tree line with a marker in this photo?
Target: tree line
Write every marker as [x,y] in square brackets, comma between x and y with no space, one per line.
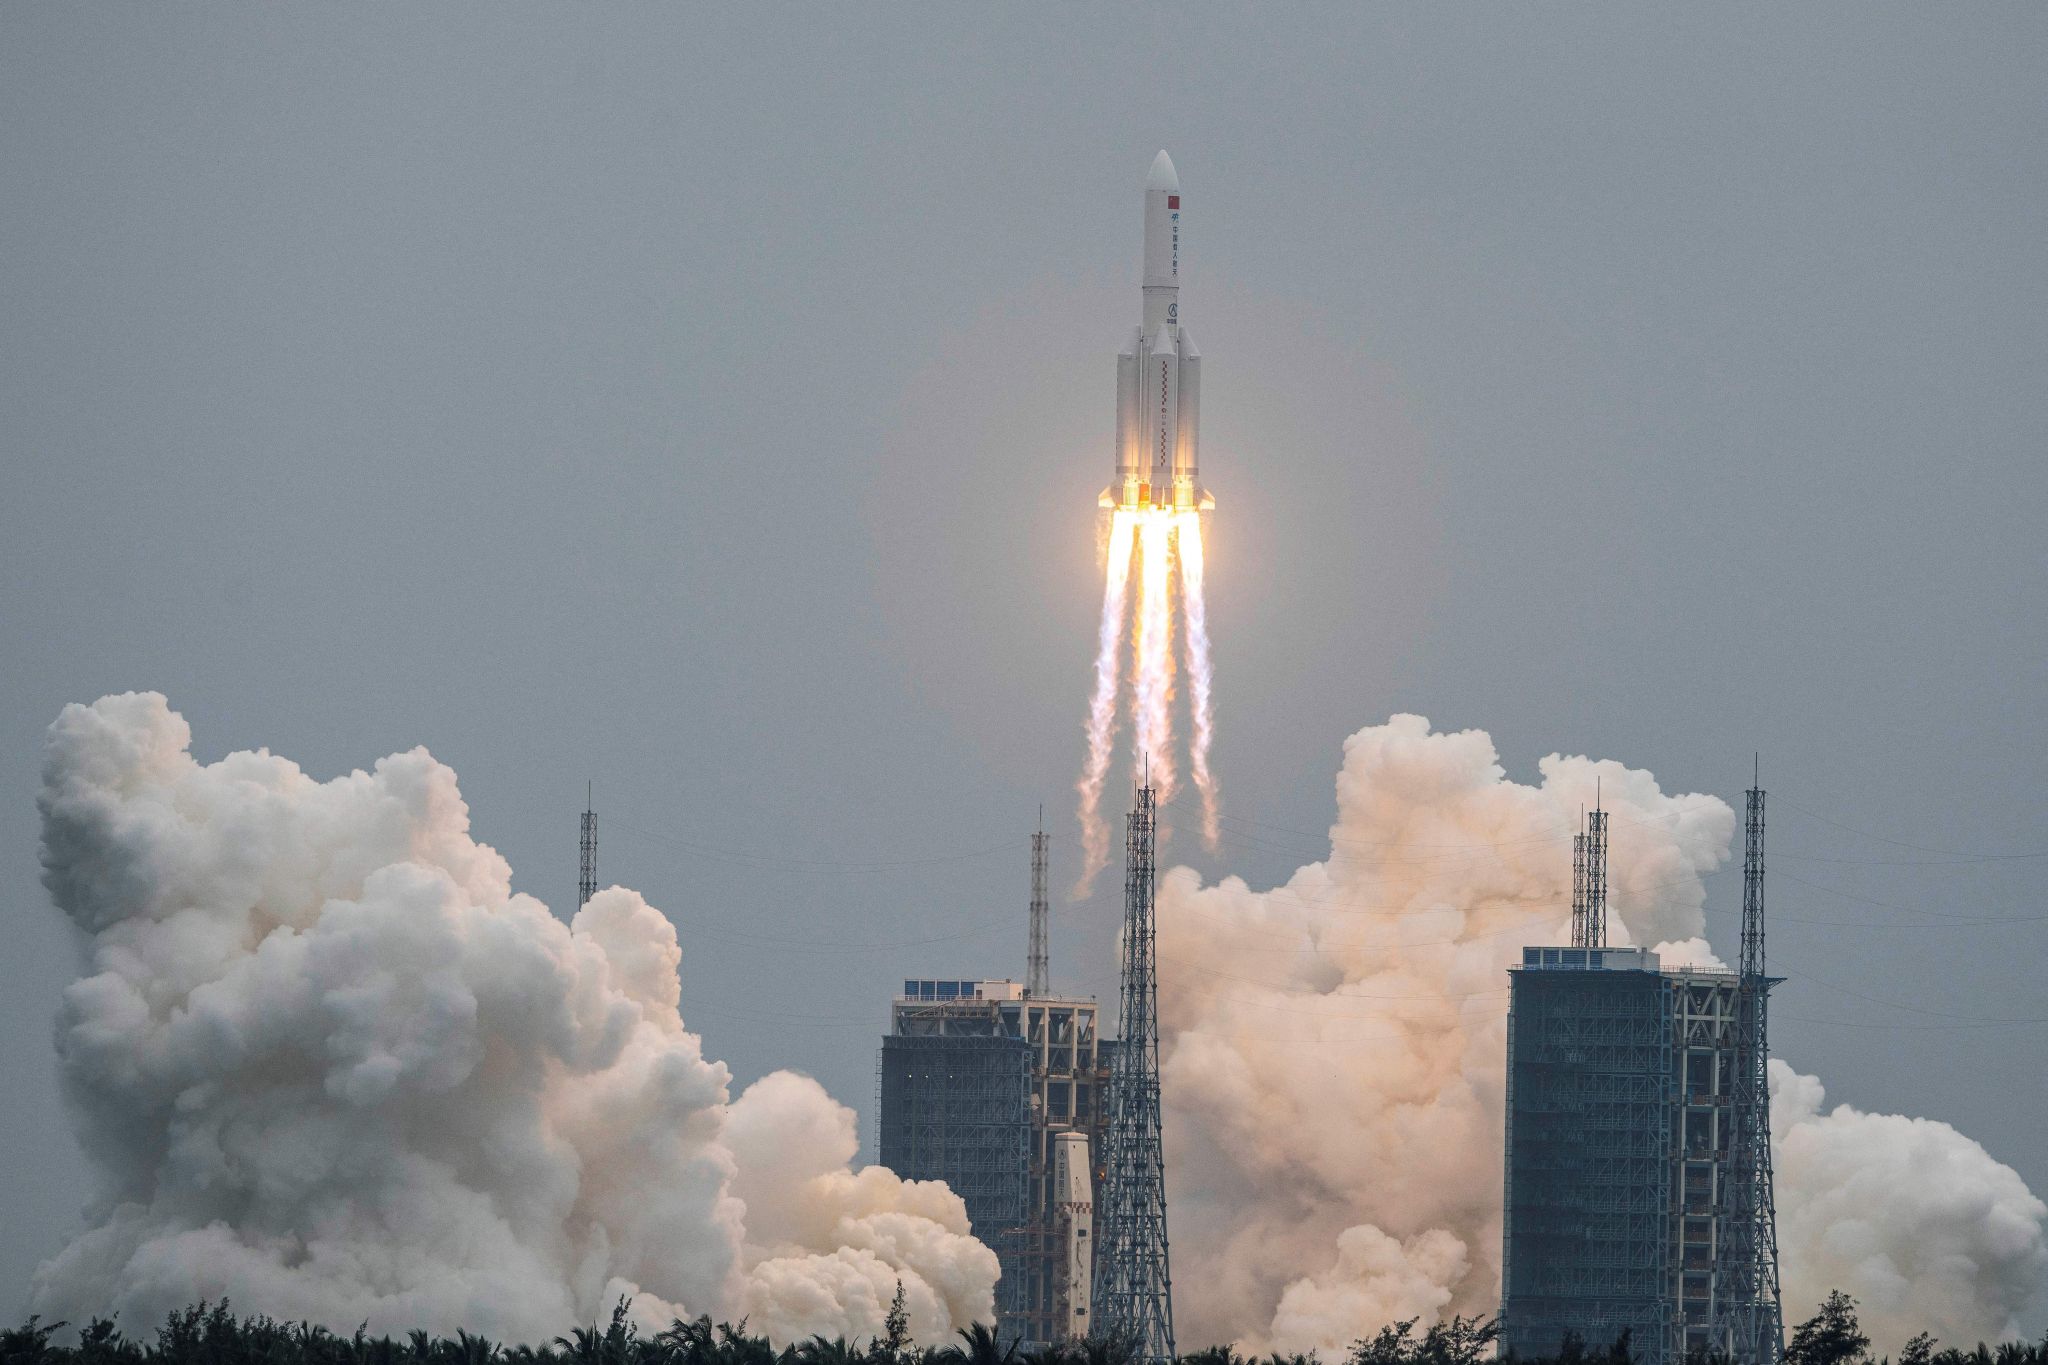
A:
[212,1334]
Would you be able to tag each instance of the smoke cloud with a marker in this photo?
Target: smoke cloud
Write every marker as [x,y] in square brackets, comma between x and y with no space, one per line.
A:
[1919,1222]
[1334,1054]
[326,1063]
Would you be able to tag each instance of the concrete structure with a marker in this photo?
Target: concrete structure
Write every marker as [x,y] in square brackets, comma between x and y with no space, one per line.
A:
[980,1087]
[1624,1082]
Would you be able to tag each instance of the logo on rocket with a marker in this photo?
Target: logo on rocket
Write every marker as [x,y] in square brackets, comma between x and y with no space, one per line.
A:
[1159,375]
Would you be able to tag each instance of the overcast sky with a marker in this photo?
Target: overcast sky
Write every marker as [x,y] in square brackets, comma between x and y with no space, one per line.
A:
[714,409]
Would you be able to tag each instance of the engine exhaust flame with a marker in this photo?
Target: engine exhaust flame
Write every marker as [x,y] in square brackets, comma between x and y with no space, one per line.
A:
[1102,706]
[1152,656]
[1167,545]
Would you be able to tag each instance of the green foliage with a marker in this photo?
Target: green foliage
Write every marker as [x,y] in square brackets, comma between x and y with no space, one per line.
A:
[978,1346]
[1830,1337]
[1918,1351]
[211,1334]
[895,1339]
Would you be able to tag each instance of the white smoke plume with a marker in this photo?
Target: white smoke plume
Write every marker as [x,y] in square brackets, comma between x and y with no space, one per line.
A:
[1334,1056]
[1919,1222]
[326,1063]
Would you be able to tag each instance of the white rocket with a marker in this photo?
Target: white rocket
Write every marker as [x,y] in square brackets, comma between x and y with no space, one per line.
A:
[1159,374]
[1073,1192]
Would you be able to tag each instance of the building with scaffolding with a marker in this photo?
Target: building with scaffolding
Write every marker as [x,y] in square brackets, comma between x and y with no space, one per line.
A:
[1638,1182]
[989,1088]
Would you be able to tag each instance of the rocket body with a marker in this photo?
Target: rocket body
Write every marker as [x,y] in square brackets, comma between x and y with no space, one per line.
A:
[1159,374]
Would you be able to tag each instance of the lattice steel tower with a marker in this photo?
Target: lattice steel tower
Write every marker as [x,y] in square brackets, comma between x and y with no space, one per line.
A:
[1589,881]
[1579,884]
[586,881]
[1035,977]
[1752,1328]
[1133,1287]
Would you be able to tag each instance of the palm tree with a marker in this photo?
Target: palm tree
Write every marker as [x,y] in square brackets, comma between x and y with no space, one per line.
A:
[980,1346]
[822,1350]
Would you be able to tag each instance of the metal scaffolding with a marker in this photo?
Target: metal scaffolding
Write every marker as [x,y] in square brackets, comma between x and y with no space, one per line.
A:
[1638,1164]
[1133,1284]
[1579,884]
[1069,1096]
[1589,879]
[1750,1329]
[1596,877]
[977,1084]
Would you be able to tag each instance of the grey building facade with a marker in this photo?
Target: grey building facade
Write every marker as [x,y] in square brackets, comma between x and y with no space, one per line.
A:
[977,1081]
[1622,1131]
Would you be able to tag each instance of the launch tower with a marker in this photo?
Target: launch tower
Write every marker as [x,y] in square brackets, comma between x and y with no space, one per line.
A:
[1133,1287]
[1749,1328]
[1000,1090]
[1638,1187]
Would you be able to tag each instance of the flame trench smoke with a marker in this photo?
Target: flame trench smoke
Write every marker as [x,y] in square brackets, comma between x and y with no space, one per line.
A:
[325,1062]
[1167,547]
[1334,1050]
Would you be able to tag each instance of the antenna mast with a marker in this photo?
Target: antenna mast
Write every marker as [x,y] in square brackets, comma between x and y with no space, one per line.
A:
[1035,984]
[1596,874]
[1579,883]
[1753,1323]
[586,881]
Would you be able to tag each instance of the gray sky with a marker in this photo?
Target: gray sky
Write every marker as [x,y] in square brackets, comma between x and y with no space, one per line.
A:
[715,406]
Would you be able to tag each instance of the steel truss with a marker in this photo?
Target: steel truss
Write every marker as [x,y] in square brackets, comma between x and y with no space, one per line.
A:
[1134,1288]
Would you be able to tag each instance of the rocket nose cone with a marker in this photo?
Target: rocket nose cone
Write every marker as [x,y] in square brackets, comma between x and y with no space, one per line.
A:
[1162,176]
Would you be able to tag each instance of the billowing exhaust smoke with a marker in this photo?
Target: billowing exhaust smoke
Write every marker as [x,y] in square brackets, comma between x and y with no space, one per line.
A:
[1920,1223]
[325,1063]
[1335,1053]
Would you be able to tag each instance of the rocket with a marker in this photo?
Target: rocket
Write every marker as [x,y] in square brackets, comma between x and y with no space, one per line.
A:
[1159,374]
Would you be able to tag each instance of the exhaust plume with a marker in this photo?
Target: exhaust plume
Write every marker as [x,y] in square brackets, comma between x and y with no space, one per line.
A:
[325,1062]
[1335,1048]
[1165,542]
[1102,705]
[1919,1222]
[1201,707]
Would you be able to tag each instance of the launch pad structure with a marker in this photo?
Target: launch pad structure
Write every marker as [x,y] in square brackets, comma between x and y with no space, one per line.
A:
[1048,1132]
[1134,1285]
[1000,1090]
[981,1086]
[1637,1173]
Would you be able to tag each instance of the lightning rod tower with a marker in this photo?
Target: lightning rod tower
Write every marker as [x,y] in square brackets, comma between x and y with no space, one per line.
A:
[586,881]
[1134,1288]
[1589,879]
[1579,883]
[1752,1326]
[1035,977]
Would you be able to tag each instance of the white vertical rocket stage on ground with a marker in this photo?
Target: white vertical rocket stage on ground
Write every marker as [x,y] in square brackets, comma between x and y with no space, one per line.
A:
[1159,374]
[1074,1217]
